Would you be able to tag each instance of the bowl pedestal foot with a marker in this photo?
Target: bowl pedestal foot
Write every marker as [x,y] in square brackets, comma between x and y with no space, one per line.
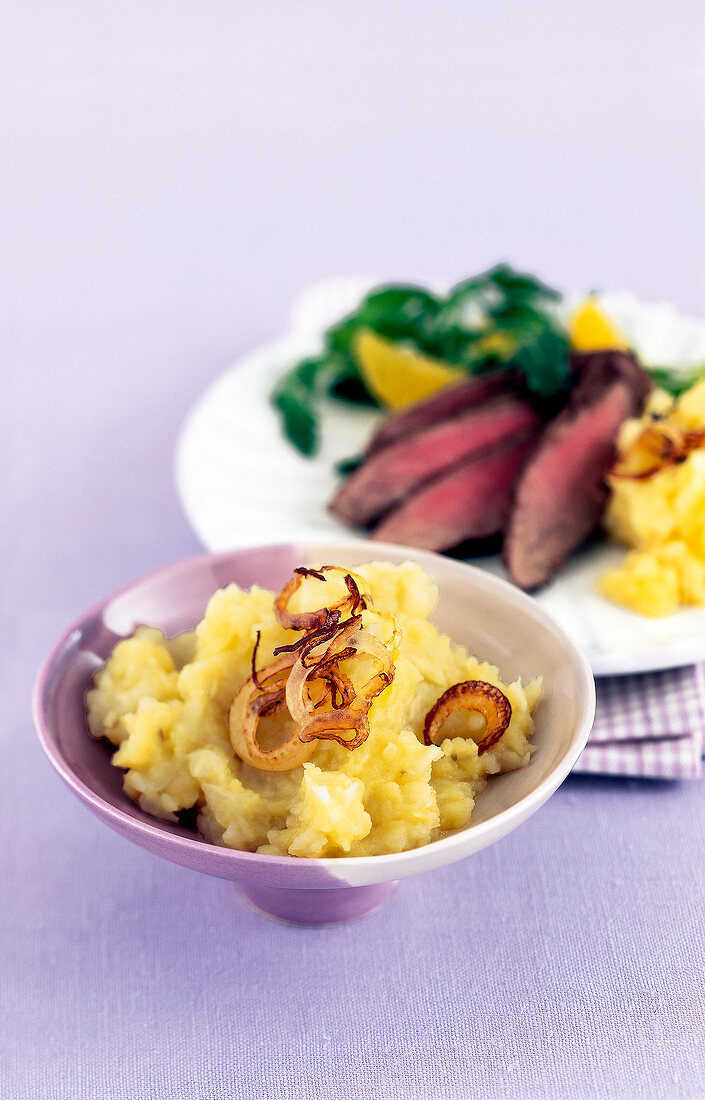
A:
[316,908]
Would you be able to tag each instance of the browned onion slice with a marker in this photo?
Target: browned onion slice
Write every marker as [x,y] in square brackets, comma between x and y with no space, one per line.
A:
[330,725]
[328,629]
[338,688]
[653,449]
[274,674]
[249,705]
[476,695]
[312,620]
[365,642]
[298,698]
[693,439]
[275,670]
[394,641]
[322,645]
[314,658]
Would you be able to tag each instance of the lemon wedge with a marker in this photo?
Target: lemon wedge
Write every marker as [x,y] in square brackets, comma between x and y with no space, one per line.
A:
[398,376]
[591,329]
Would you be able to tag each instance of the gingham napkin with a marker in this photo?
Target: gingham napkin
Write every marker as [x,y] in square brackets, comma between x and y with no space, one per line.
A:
[651,725]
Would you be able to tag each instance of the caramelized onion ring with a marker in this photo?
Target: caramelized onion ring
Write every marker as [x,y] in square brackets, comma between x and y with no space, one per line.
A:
[275,671]
[394,641]
[477,695]
[312,620]
[653,449]
[249,705]
[693,439]
[326,644]
[325,726]
[365,642]
[338,687]
[327,630]
[350,636]
[316,657]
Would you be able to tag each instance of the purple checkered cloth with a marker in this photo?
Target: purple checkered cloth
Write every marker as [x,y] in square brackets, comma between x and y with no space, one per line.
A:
[651,725]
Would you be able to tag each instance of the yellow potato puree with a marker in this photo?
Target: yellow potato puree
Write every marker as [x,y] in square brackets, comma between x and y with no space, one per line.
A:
[164,704]
[661,516]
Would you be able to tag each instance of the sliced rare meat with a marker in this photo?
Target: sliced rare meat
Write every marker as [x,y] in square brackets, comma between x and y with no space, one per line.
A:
[471,501]
[593,372]
[562,492]
[390,475]
[447,403]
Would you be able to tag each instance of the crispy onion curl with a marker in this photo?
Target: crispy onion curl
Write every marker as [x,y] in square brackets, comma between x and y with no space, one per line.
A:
[656,447]
[326,667]
[311,620]
[333,724]
[249,705]
[306,677]
[476,695]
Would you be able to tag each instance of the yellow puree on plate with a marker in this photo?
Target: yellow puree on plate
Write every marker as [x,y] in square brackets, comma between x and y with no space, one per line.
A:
[164,704]
[662,516]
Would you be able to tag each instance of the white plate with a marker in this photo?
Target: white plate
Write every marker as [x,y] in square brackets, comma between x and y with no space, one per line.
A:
[242,484]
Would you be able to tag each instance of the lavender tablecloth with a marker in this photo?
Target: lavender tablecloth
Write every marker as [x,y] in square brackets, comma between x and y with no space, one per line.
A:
[171,176]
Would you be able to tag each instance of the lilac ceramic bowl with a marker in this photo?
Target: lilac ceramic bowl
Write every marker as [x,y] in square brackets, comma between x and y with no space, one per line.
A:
[493,619]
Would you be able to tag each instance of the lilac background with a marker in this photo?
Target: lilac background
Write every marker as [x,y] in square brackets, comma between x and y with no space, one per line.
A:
[171,175]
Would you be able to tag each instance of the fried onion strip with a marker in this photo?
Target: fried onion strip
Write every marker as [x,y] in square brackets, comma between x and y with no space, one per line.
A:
[298,698]
[274,673]
[338,689]
[656,447]
[312,620]
[309,669]
[327,630]
[249,705]
[475,695]
[693,439]
[653,449]
[329,726]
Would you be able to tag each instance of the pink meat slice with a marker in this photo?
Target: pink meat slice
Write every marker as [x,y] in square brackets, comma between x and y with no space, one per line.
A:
[448,403]
[390,475]
[562,492]
[472,501]
[594,370]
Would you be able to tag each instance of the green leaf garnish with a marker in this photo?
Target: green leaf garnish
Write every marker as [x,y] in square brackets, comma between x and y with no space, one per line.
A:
[676,380]
[294,397]
[497,320]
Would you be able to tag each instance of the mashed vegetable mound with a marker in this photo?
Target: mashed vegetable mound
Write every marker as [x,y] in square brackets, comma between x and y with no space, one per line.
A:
[657,507]
[165,704]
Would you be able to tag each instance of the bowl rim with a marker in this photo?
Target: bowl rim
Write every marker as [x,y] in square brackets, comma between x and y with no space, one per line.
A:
[445,846]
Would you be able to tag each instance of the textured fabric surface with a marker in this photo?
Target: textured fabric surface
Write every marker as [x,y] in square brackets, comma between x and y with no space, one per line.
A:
[650,725]
[172,174]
